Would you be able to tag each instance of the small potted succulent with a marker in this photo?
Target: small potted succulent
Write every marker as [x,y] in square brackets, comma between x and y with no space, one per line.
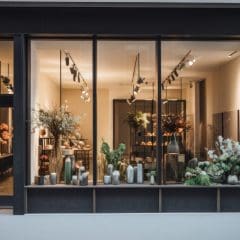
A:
[151,175]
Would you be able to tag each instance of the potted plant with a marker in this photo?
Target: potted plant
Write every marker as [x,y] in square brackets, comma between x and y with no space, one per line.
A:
[113,158]
[59,122]
[151,175]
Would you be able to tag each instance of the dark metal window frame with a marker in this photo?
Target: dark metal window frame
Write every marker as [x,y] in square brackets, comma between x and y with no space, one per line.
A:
[22,105]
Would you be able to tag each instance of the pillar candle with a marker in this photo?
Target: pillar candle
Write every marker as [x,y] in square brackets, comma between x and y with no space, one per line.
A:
[53,178]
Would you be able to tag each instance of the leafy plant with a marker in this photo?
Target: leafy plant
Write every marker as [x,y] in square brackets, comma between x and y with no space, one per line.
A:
[196,176]
[152,173]
[137,120]
[113,156]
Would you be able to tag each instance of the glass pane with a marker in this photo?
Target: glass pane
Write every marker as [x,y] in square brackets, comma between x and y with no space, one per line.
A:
[200,102]
[6,156]
[126,121]
[6,67]
[61,141]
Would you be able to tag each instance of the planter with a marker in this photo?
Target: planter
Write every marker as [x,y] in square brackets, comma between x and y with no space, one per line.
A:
[173,146]
[232,179]
[116,177]
[130,174]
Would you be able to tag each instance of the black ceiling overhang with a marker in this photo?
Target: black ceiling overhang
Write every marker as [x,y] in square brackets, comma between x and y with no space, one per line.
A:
[120,20]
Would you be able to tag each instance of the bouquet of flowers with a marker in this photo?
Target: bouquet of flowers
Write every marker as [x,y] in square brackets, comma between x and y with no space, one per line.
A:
[172,124]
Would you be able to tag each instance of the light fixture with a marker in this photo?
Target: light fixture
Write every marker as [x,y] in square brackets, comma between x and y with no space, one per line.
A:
[77,76]
[172,77]
[140,80]
[162,85]
[175,73]
[232,53]
[136,90]
[131,100]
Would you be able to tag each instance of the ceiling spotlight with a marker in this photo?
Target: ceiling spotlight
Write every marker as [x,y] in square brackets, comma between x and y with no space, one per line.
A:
[136,90]
[140,80]
[173,78]
[191,61]
[232,53]
[72,69]
[181,66]
[79,77]
[175,73]
[67,59]
[169,80]
[131,100]
[162,85]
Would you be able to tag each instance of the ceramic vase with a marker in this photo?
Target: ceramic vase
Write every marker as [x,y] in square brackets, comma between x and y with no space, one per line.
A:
[232,179]
[107,179]
[152,180]
[74,180]
[130,174]
[116,177]
[139,173]
[68,171]
[109,169]
[53,178]
[173,147]
[84,179]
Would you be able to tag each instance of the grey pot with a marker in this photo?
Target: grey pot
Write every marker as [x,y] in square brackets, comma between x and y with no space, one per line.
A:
[232,179]
[173,146]
[116,177]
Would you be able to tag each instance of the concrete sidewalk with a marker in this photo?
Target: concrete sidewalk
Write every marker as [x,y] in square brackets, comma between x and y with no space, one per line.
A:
[169,226]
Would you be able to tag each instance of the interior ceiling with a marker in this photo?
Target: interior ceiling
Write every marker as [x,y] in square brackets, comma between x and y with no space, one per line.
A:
[116,59]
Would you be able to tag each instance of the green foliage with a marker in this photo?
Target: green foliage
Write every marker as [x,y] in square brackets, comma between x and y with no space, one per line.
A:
[113,156]
[196,176]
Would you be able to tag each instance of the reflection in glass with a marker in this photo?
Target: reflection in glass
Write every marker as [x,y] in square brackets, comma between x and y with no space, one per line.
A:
[6,156]
[6,67]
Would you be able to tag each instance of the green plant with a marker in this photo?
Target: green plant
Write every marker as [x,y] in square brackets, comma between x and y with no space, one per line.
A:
[196,176]
[137,120]
[113,156]
[152,173]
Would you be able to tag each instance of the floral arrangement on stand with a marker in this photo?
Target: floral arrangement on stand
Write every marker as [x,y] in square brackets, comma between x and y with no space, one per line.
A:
[172,124]
[223,165]
[4,135]
[137,120]
[60,123]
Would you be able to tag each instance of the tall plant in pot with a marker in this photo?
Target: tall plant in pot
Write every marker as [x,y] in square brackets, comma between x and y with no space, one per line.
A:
[113,158]
[59,122]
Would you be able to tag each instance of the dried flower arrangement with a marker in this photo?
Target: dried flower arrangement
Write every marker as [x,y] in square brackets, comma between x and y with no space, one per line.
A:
[4,133]
[172,123]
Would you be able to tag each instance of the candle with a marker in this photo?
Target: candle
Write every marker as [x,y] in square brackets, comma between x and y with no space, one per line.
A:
[53,178]
[107,179]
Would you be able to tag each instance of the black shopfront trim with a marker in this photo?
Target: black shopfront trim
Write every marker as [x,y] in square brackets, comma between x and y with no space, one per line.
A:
[105,22]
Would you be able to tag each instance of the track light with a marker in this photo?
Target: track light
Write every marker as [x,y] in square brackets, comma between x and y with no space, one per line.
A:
[72,69]
[162,85]
[67,60]
[79,77]
[136,90]
[169,80]
[175,73]
[140,80]
[172,77]
[131,100]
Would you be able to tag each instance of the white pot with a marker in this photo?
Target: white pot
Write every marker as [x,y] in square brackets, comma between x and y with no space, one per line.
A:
[116,177]
[232,179]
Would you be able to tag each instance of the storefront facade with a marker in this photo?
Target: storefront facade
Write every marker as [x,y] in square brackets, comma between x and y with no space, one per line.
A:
[25,24]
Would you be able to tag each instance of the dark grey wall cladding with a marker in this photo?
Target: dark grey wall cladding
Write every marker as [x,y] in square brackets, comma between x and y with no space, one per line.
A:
[59,200]
[127,200]
[230,200]
[189,200]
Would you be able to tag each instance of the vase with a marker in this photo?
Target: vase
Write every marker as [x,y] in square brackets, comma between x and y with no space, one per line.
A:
[107,179]
[116,177]
[152,180]
[84,179]
[67,170]
[139,173]
[53,178]
[130,174]
[173,147]
[109,169]
[232,179]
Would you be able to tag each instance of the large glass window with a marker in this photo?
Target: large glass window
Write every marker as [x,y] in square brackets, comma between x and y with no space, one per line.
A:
[126,97]
[200,90]
[61,102]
